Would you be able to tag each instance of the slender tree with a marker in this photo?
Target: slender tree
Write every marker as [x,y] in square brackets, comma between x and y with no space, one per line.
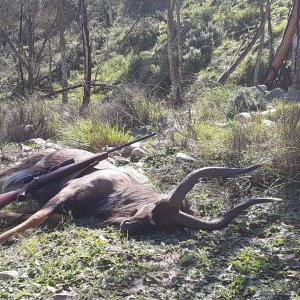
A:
[174,75]
[244,53]
[87,53]
[110,12]
[62,44]
[21,48]
[179,39]
[261,41]
[271,38]
[30,41]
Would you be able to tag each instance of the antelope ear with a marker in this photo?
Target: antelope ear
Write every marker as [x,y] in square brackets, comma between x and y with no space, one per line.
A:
[141,221]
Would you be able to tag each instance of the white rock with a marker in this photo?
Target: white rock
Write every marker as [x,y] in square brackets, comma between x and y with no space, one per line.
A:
[259,88]
[243,116]
[53,146]
[111,160]
[181,157]
[38,142]
[8,275]
[136,145]
[26,148]
[268,111]
[268,123]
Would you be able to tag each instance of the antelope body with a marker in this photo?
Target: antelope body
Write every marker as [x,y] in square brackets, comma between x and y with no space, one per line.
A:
[114,195]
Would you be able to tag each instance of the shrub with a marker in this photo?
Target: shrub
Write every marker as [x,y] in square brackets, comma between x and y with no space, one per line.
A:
[23,120]
[245,100]
[131,107]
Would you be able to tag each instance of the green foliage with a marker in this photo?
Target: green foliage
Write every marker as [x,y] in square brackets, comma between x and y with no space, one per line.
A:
[113,69]
[203,36]
[143,37]
[248,262]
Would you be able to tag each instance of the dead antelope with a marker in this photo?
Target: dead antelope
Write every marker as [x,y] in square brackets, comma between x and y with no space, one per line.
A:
[114,195]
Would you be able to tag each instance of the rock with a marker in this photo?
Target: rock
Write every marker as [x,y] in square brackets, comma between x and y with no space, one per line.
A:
[62,296]
[181,157]
[270,110]
[116,153]
[53,146]
[292,96]
[137,153]
[38,142]
[259,88]
[268,123]
[9,275]
[26,149]
[276,94]
[247,116]
[136,145]
[128,150]
[111,160]
[243,116]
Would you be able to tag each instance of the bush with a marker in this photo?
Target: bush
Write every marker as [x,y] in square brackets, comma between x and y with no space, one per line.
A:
[245,100]
[131,107]
[23,120]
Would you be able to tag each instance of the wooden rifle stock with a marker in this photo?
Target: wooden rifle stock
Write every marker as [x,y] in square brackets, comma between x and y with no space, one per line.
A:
[77,168]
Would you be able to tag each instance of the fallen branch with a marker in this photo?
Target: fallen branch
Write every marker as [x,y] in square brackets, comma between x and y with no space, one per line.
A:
[82,84]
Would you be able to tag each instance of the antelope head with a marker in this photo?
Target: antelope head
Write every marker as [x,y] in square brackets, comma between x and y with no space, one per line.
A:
[166,212]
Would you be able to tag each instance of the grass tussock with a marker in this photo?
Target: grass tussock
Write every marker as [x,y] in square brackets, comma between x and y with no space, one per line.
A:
[94,135]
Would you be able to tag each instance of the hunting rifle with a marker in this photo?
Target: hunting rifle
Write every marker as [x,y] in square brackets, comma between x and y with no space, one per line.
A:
[38,182]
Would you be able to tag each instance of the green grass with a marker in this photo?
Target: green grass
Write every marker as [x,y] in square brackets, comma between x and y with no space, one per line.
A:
[85,260]
[94,135]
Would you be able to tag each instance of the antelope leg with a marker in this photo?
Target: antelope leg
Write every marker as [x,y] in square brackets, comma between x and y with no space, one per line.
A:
[33,221]
[16,217]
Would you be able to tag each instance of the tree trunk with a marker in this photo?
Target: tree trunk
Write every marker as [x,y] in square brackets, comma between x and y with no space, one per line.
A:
[261,43]
[271,39]
[110,12]
[171,27]
[232,68]
[50,64]
[21,49]
[285,44]
[179,40]
[62,45]
[87,54]
[30,42]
